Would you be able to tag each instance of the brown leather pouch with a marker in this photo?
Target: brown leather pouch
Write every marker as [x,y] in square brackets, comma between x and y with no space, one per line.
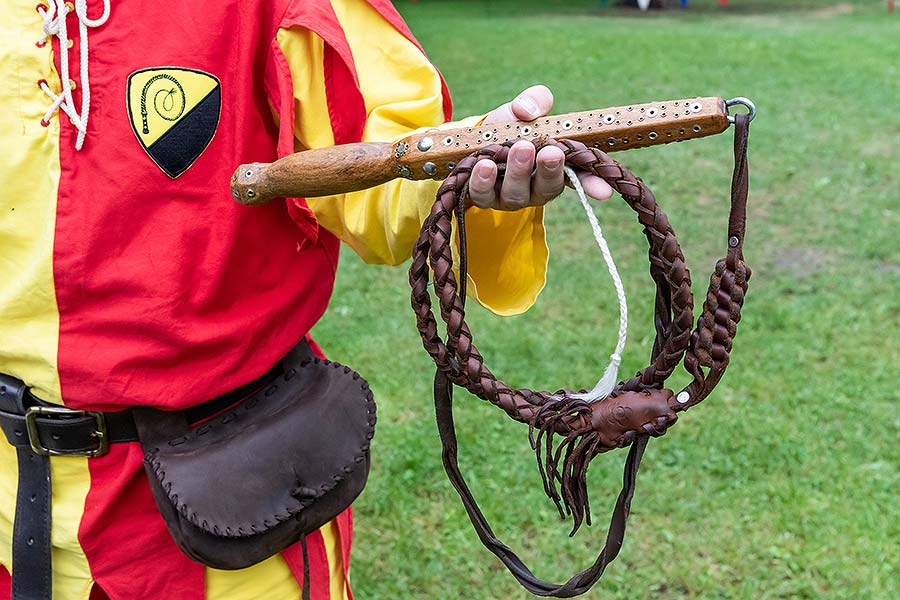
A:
[244,485]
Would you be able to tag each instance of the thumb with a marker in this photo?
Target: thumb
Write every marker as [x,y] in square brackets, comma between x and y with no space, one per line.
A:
[530,104]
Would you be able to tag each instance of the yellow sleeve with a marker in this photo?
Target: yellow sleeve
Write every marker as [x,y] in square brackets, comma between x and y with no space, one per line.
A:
[402,92]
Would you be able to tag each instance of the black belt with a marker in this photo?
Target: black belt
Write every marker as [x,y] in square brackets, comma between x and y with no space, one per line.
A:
[39,430]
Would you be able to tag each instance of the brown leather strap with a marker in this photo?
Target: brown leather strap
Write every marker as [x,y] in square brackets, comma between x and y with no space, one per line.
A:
[712,341]
[637,408]
[305,594]
[578,583]
[443,403]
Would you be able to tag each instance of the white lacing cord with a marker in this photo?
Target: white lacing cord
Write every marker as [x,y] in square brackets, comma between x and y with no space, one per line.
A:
[54,18]
[611,374]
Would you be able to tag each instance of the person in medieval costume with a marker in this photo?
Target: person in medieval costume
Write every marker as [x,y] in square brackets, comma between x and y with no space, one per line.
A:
[130,277]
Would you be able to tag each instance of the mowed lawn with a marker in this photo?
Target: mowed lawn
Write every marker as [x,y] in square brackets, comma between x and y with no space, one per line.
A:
[784,483]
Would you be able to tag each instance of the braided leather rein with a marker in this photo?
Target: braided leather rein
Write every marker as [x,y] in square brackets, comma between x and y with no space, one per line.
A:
[566,432]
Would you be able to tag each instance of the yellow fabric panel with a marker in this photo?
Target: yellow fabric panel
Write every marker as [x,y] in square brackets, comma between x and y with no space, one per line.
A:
[271,575]
[29,318]
[71,573]
[71,481]
[401,88]
[305,53]
[332,538]
[507,258]
[275,577]
[402,91]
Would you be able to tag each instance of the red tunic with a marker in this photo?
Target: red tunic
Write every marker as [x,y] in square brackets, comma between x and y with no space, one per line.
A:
[168,292]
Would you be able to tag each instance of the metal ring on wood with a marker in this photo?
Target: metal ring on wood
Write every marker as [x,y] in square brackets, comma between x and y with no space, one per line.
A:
[741,101]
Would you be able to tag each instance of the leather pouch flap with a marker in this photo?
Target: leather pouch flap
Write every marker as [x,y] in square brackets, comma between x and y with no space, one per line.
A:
[260,463]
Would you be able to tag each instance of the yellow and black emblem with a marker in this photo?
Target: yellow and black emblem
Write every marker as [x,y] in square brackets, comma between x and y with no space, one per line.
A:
[174,113]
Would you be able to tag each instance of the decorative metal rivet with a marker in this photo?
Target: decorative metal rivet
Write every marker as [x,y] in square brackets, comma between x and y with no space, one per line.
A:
[526,130]
[733,241]
[695,107]
[567,125]
[250,193]
[611,142]
[652,135]
[425,144]
[448,140]
[608,119]
[430,168]
[652,112]
[487,135]
[405,172]
[696,128]
[451,165]
[683,397]
[401,149]
[249,173]
[236,195]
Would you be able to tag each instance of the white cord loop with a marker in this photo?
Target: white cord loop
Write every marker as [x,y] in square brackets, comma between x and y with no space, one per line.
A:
[54,23]
[611,374]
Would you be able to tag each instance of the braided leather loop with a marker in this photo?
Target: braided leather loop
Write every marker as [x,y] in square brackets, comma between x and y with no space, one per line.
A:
[637,408]
[712,341]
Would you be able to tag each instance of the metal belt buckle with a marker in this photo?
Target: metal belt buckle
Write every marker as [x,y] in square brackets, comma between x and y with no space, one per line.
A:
[33,412]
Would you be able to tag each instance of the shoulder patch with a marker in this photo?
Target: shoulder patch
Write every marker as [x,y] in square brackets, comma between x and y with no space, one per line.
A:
[174,113]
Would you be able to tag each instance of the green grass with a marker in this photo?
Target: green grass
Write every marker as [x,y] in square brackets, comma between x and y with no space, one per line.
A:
[784,483]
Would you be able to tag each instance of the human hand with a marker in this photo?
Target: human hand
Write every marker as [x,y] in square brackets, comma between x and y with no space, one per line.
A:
[529,180]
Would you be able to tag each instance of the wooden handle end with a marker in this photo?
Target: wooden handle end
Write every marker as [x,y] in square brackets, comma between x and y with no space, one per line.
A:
[248,184]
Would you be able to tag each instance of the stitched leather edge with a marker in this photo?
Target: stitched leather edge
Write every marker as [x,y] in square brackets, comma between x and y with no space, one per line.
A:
[258,527]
